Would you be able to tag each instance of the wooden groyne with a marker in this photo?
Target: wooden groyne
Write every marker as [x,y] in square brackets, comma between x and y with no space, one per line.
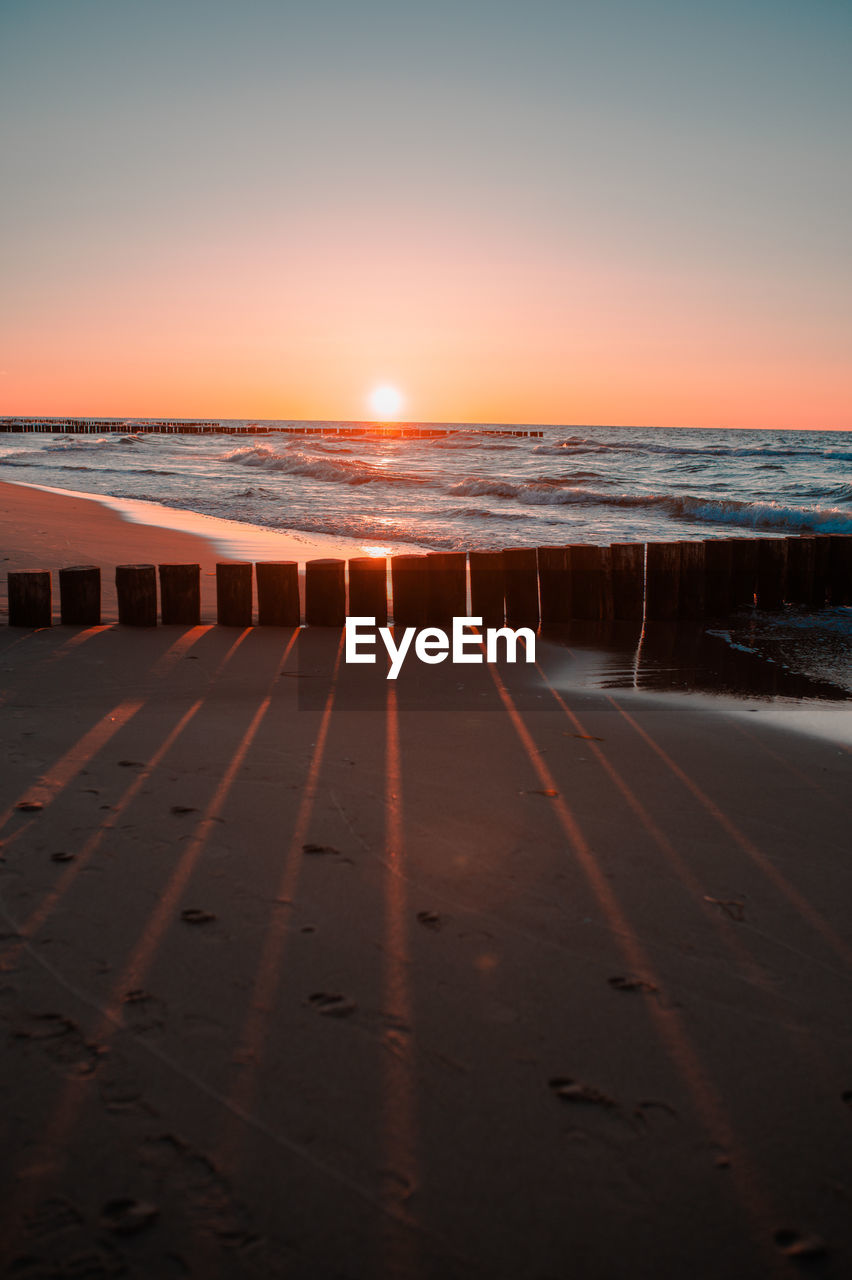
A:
[521,586]
[192,427]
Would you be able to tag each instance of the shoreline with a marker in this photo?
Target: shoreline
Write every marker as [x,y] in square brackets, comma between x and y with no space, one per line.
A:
[58,527]
[50,528]
[234,539]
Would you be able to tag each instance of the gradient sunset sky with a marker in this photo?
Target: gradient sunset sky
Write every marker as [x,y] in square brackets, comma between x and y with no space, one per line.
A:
[616,211]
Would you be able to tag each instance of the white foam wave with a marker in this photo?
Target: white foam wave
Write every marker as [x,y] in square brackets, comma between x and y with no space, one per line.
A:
[299,463]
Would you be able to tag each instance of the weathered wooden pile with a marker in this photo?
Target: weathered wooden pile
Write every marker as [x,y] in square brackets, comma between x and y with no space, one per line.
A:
[521,587]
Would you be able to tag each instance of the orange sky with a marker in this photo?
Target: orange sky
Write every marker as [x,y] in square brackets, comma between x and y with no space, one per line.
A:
[538,221]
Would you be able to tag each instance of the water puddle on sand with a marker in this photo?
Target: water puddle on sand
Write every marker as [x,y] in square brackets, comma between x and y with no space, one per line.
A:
[731,670]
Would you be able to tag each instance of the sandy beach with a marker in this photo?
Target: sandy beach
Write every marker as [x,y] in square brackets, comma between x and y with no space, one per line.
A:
[48,528]
[307,975]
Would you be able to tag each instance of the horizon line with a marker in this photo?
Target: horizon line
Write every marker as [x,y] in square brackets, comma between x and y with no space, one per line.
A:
[401,422]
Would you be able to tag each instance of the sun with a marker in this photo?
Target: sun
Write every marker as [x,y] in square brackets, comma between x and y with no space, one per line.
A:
[385,402]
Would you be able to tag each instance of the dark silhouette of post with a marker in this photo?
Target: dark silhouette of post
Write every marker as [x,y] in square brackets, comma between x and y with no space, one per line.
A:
[408,574]
[80,595]
[486,587]
[717,577]
[840,568]
[136,588]
[368,588]
[662,581]
[743,572]
[234,594]
[278,593]
[520,570]
[627,564]
[180,594]
[554,585]
[801,555]
[771,572]
[446,586]
[822,570]
[325,593]
[691,593]
[591,586]
[30,598]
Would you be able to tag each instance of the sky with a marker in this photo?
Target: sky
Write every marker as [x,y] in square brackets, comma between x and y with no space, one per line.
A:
[611,211]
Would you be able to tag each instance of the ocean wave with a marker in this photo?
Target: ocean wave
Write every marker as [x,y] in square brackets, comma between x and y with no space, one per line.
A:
[761,515]
[298,463]
[478,513]
[479,488]
[79,444]
[586,444]
[770,515]
[365,529]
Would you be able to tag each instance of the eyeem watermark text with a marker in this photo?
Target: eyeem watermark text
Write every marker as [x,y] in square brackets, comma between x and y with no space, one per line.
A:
[432,645]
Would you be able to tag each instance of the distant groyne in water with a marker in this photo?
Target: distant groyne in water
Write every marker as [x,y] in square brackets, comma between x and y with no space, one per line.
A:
[200,427]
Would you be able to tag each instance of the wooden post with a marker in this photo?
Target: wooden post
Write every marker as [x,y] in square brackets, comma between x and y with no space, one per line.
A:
[446,583]
[368,588]
[717,577]
[840,568]
[520,570]
[627,560]
[408,574]
[30,600]
[278,593]
[591,587]
[80,595]
[136,588]
[554,585]
[801,553]
[180,594]
[771,572]
[691,597]
[822,570]
[486,587]
[325,593]
[743,572]
[662,581]
[234,594]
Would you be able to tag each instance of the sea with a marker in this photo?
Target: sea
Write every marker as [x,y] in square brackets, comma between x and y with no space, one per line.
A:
[473,488]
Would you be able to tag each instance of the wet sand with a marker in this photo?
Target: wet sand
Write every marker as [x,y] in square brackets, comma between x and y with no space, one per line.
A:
[47,528]
[498,975]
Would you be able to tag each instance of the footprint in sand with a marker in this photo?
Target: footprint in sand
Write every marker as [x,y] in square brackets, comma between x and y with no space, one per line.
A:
[794,1245]
[631,984]
[52,1216]
[125,1216]
[143,1011]
[62,1041]
[331,1005]
[195,915]
[568,1090]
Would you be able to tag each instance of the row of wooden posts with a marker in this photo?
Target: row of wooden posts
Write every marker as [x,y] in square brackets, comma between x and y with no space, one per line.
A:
[657,581]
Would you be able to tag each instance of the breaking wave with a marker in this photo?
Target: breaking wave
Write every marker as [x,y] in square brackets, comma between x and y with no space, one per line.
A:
[298,463]
[770,515]
[586,444]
